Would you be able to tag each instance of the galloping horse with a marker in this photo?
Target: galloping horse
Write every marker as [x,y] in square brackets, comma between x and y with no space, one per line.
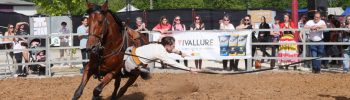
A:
[106,49]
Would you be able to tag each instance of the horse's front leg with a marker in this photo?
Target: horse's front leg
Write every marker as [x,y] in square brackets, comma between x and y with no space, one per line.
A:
[85,78]
[106,79]
[131,80]
[116,86]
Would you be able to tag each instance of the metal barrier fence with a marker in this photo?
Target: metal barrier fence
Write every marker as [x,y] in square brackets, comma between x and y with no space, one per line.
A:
[50,61]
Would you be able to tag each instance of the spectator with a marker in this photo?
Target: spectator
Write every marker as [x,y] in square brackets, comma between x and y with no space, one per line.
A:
[19,45]
[287,50]
[275,36]
[246,24]
[10,32]
[197,25]
[316,36]
[64,41]
[344,38]
[140,26]
[302,21]
[226,25]
[83,29]
[163,26]
[264,36]
[178,26]
[331,36]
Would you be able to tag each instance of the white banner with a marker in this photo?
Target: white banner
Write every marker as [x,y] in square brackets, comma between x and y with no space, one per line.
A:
[212,45]
[40,26]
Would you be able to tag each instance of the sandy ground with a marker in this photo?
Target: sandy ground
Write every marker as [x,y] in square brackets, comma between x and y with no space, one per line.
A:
[291,85]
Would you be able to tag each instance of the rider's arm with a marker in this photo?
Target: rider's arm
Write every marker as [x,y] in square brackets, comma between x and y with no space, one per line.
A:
[164,56]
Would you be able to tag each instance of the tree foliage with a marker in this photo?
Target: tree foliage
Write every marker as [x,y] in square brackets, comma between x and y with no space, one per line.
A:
[77,7]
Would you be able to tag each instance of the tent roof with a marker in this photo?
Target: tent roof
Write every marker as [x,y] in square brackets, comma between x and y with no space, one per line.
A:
[299,11]
[16,3]
[346,12]
[335,11]
[131,8]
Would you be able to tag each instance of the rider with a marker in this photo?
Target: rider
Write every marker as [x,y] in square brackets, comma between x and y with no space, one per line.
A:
[148,53]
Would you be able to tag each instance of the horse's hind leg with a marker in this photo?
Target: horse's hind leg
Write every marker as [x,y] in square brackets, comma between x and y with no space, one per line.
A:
[116,87]
[97,91]
[85,78]
[131,80]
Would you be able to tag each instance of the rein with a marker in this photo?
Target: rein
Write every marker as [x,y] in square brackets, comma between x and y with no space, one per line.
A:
[99,48]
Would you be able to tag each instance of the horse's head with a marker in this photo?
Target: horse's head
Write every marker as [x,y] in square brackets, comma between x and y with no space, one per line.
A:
[98,26]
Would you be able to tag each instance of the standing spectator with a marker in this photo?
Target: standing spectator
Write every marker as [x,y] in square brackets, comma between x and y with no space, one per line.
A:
[226,25]
[10,32]
[197,25]
[246,24]
[140,26]
[64,41]
[287,50]
[302,21]
[163,27]
[264,36]
[275,36]
[83,29]
[178,26]
[316,36]
[344,38]
[19,45]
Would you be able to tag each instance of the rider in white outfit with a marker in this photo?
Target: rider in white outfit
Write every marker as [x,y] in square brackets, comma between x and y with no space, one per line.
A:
[154,52]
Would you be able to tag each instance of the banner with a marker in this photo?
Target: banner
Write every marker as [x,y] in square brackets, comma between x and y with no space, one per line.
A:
[212,44]
[40,26]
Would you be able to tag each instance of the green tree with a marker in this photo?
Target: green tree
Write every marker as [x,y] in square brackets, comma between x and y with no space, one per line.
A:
[59,7]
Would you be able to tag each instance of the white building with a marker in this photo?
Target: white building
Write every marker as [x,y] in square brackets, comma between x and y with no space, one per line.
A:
[19,6]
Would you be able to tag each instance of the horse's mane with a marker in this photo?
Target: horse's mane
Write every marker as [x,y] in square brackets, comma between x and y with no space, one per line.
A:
[96,7]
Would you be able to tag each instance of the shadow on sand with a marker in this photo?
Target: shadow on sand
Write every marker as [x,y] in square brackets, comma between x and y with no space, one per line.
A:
[335,97]
[133,96]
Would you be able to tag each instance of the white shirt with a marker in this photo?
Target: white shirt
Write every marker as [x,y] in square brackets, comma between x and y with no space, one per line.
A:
[83,29]
[157,52]
[315,35]
[226,27]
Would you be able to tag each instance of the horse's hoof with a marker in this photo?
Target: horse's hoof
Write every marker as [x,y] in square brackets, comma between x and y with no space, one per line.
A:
[96,97]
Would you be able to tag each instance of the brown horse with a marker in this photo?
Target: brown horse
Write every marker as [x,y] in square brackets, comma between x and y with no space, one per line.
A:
[136,39]
[106,49]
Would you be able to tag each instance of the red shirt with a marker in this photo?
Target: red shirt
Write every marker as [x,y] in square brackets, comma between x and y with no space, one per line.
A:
[291,25]
[163,27]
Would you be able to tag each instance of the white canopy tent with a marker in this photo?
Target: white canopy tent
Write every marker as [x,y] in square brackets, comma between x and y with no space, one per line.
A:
[335,11]
[129,7]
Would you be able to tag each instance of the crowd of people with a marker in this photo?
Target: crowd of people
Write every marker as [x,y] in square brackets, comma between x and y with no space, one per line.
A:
[276,36]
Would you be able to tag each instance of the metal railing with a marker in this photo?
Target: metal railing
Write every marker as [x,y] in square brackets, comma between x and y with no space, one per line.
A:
[49,60]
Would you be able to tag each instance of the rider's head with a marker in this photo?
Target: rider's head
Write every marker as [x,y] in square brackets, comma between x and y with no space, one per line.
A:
[169,43]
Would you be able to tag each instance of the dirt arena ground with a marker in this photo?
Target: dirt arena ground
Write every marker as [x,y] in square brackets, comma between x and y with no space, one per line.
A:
[185,86]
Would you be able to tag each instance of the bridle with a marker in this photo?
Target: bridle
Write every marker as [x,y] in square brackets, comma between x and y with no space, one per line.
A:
[97,48]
